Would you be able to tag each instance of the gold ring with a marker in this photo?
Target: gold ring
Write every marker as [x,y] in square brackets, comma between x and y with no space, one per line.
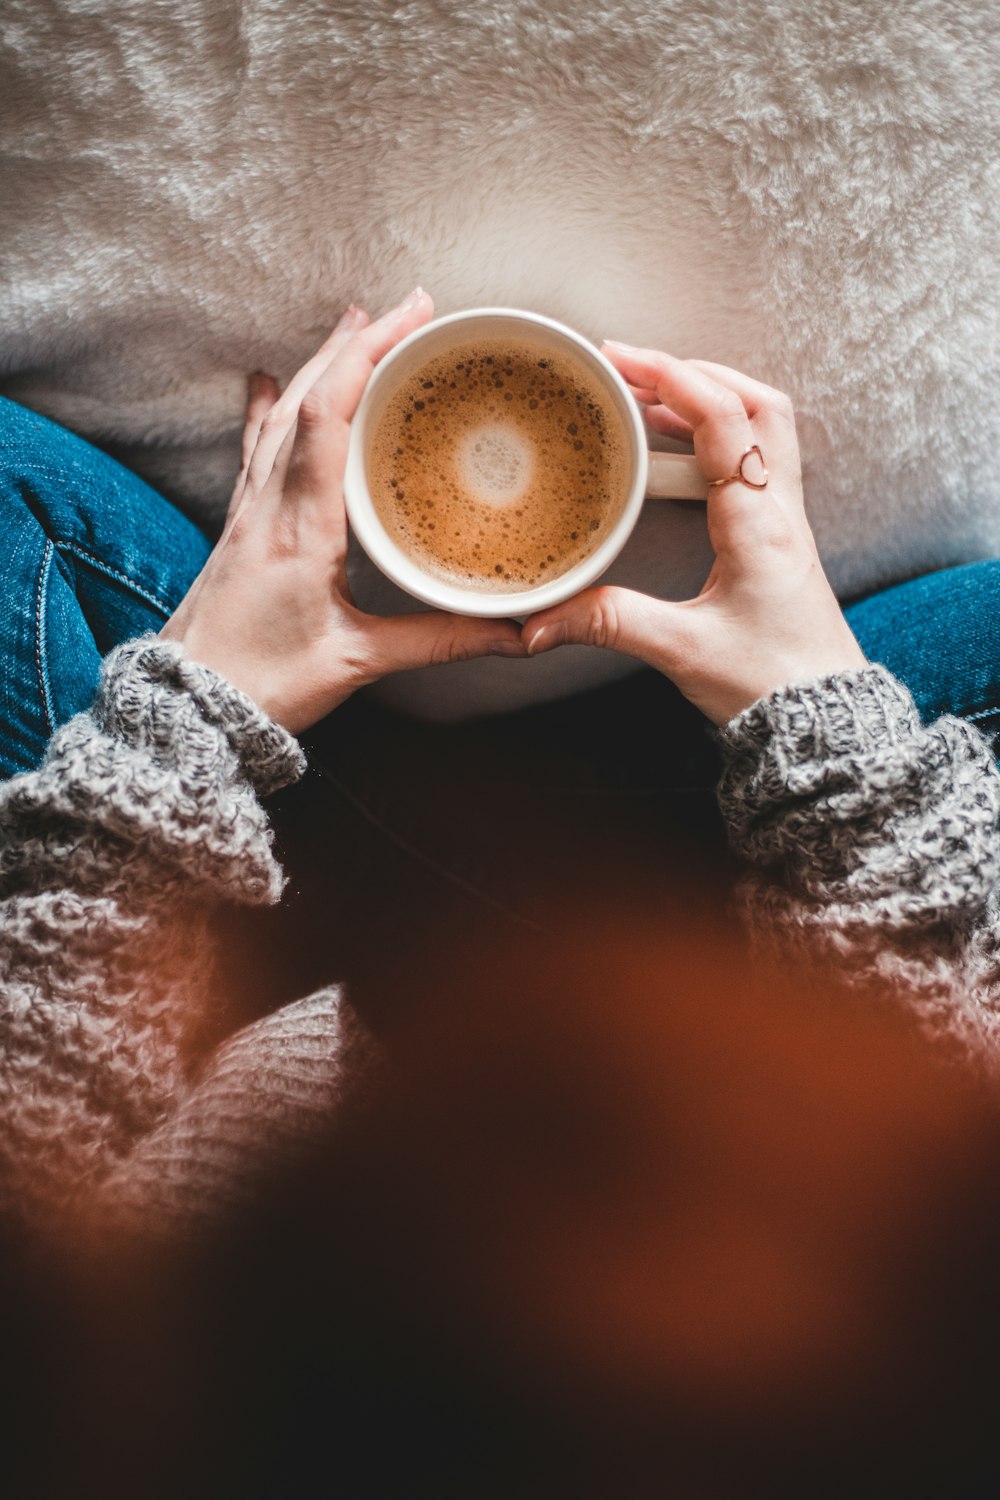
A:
[753,484]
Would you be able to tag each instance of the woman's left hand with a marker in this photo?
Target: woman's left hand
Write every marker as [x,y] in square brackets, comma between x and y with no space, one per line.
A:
[272,610]
[767,616]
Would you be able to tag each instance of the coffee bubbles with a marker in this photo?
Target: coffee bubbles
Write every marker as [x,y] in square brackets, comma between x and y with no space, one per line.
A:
[498,465]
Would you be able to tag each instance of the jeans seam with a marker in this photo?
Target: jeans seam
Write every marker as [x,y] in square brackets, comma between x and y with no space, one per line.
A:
[41,597]
[103,567]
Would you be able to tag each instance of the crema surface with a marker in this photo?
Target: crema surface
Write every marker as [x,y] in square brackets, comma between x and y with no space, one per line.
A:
[499,465]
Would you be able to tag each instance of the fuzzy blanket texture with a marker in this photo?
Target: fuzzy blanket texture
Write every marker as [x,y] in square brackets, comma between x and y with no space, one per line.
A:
[806,189]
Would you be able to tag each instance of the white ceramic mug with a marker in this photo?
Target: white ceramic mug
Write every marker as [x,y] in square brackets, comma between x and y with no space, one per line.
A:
[661,475]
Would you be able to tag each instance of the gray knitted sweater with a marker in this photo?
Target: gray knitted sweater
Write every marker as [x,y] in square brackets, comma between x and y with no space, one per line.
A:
[145,813]
[873,837]
[873,840]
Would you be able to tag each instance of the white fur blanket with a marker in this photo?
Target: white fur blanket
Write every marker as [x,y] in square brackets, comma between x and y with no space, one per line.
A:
[806,189]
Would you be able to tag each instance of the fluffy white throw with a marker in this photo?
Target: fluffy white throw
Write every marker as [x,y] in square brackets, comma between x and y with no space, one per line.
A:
[808,190]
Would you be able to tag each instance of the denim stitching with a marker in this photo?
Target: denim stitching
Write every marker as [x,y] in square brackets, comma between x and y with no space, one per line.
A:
[984,713]
[41,595]
[103,567]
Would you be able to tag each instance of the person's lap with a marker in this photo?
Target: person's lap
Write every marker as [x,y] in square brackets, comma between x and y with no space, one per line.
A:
[939,634]
[93,556]
[399,826]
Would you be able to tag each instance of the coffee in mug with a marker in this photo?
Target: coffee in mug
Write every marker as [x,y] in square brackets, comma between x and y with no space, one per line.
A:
[499,464]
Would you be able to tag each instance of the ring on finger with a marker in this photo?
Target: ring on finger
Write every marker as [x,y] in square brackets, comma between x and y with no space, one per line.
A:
[740,476]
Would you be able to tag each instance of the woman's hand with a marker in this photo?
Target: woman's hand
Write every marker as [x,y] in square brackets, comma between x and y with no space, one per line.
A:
[766,616]
[272,610]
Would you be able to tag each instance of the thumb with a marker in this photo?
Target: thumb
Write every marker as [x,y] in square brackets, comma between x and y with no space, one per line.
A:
[400,642]
[655,631]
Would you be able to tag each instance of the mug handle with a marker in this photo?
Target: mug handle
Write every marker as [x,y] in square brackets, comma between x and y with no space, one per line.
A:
[675,476]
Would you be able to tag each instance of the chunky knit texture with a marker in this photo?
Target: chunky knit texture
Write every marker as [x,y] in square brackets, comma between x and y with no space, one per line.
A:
[875,842]
[145,812]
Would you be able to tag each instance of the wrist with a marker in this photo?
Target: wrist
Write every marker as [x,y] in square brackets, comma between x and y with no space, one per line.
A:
[768,678]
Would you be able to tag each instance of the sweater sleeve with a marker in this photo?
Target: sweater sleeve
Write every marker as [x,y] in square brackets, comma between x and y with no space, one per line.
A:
[875,843]
[144,813]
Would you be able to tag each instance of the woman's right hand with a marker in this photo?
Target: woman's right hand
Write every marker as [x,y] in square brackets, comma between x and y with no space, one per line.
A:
[272,609]
[766,616]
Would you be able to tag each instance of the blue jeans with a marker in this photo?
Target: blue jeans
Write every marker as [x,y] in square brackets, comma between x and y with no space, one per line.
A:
[92,557]
[605,781]
[941,636]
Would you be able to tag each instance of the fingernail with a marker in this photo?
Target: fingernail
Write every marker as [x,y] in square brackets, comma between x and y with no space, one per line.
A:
[508,648]
[350,318]
[617,344]
[546,637]
[412,300]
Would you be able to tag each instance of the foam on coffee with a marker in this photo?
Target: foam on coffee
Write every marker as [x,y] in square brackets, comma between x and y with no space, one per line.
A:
[499,465]
[496,463]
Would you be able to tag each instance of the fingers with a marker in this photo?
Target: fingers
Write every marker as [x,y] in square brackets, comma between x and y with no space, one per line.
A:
[304,378]
[340,386]
[770,411]
[661,419]
[262,393]
[282,415]
[652,630]
[718,406]
[319,452]
[705,394]
[717,415]
[401,642]
[760,400]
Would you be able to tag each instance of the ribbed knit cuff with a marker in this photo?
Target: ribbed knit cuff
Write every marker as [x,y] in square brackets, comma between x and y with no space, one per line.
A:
[150,685]
[846,713]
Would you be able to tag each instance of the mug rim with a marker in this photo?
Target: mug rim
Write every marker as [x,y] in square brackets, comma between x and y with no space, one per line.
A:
[399,567]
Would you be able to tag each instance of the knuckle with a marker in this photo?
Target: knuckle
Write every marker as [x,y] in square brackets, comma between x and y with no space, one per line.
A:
[729,407]
[315,410]
[239,525]
[777,533]
[604,625]
[283,537]
[781,405]
[450,648]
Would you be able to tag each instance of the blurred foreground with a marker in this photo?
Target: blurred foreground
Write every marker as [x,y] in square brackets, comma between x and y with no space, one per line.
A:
[625,1213]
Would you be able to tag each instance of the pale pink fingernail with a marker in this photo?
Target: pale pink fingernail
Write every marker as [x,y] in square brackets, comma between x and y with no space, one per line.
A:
[617,344]
[412,300]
